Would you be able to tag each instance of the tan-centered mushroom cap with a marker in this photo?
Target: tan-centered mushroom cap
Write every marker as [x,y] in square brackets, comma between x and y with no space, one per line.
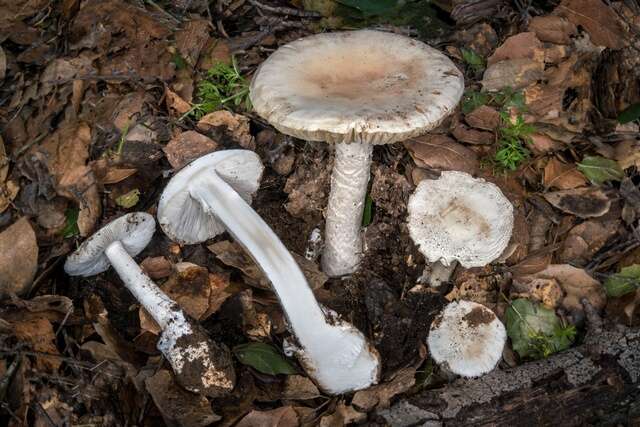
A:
[460,218]
[356,86]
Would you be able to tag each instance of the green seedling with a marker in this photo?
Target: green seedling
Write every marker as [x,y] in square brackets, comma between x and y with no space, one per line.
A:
[473,60]
[513,137]
[223,87]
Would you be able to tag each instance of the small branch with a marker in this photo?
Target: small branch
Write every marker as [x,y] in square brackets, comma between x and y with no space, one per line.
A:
[285,10]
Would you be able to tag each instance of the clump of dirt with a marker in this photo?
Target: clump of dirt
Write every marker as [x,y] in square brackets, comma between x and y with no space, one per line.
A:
[479,316]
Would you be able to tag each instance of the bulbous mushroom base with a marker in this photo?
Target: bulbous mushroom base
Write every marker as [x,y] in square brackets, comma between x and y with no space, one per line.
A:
[201,365]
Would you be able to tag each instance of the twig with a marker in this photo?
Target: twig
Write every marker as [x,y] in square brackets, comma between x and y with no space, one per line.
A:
[161,10]
[280,10]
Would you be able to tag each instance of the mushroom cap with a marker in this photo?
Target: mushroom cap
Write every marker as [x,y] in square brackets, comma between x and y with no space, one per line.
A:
[182,217]
[460,218]
[467,339]
[356,86]
[133,230]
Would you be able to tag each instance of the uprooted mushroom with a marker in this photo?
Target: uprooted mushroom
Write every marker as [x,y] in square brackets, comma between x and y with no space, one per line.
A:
[210,196]
[201,365]
[458,218]
[355,89]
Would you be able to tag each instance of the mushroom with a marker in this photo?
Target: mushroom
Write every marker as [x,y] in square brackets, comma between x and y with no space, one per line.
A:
[210,195]
[354,89]
[459,218]
[466,339]
[201,365]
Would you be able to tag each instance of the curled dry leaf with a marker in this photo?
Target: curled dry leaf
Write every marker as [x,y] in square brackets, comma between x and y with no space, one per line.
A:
[441,153]
[285,416]
[585,202]
[234,126]
[188,146]
[577,284]
[18,258]
[380,396]
[598,19]
[177,405]
[523,45]
[562,175]
[553,29]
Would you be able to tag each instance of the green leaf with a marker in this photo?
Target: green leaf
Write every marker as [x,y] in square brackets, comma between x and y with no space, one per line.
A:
[129,199]
[625,282]
[600,170]
[368,211]
[263,358]
[475,61]
[630,114]
[71,224]
[473,99]
[535,330]
[370,8]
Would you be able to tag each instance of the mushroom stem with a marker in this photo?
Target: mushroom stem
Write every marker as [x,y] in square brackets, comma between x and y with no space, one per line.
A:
[157,304]
[335,354]
[349,180]
[440,273]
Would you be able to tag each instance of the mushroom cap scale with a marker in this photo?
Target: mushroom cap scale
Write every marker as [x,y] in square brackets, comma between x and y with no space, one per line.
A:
[134,231]
[460,218]
[467,339]
[182,217]
[356,86]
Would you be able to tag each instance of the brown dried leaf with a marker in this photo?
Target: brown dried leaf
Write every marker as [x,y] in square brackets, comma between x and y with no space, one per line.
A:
[285,416]
[177,405]
[474,285]
[562,175]
[472,136]
[439,152]
[585,202]
[157,267]
[18,258]
[8,191]
[188,146]
[576,284]
[216,50]
[4,162]
[585,239]
[483,117]
[67,148]
[233,126]
[514,73]
[343,415]
[38,333]
[541,144]
[175,104]
[191,39]
[546,291]
[533,263]
[553,29]
[379,396]
[627,153]
[80,185]
[598,19]
[297,387]
[523,45]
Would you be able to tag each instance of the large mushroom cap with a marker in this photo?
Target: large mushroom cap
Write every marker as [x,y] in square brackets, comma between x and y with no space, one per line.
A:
[134,231]
[458,217]
[467,338]
[364,86]
[183,218]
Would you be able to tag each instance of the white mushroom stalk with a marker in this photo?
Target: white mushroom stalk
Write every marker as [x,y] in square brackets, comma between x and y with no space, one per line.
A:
[201,365]
[458,218]
[467,339]
[333,352]
[354,89]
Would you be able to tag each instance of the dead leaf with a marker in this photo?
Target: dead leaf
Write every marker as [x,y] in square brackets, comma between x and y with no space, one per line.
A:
[534,262]
[474,285]
[67,148]
[342,416]
[586,202]
[297,387]
[8,192]
[234,126]
[483,117]
[188,146]
[81,186]
[439,152]
[546,291]
[598,19]
[522,45]
[379,396]
[157,267]
[175,104]
[178,405]
[585,239]
[233,255]
[541,144]
[216,50]
[562,175]
[553,29]
[514,73]
[191,39]
[285,416]
[38,333]
[627,153]
[18,258]
[576,284]
[4,162]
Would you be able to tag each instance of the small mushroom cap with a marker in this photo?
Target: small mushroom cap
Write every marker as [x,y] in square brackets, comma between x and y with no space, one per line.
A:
[467,339]
[181,217]
[460,218]
[133,230]
[356,86]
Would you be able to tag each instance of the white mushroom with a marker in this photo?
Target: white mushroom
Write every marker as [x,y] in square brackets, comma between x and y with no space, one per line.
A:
[467,339]
[201,365]
[354,89]
[203,194]
[459,218]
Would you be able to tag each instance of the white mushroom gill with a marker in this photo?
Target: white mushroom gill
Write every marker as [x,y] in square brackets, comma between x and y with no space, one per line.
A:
[335,354]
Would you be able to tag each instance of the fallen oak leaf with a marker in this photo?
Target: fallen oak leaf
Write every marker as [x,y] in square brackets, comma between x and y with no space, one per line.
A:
[586,202]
